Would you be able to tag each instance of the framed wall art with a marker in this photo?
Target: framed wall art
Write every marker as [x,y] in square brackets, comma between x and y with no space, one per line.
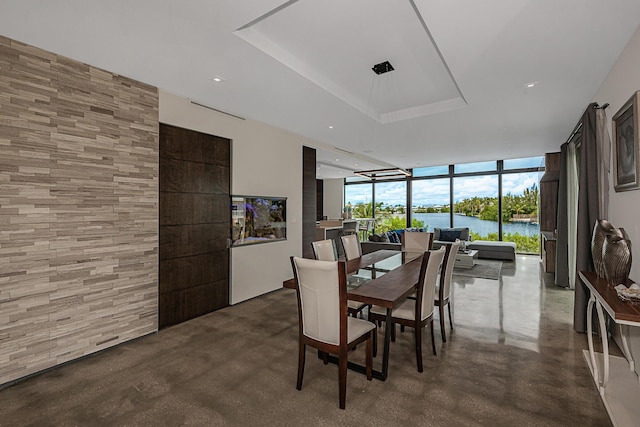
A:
[626,125]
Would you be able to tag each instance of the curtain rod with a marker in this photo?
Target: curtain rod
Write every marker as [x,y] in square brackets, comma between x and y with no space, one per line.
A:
[578,126]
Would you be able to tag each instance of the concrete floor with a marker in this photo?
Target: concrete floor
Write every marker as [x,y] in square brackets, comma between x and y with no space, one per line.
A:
[512,360]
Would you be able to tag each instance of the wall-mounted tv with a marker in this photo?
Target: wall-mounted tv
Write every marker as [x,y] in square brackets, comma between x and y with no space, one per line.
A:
[258,219]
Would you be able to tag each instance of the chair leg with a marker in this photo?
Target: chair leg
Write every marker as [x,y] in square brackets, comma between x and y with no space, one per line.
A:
[393,332]
[433,339]
[342,377]
[325,357]
[442,330]
[401,328]
[301,354]
[369,352]
[450,316]
[418,343]
[375,342]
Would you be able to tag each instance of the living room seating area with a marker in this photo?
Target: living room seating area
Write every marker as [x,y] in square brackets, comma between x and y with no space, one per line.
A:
[486,249]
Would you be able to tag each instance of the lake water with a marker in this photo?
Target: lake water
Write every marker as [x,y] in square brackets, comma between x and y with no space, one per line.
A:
[480,226]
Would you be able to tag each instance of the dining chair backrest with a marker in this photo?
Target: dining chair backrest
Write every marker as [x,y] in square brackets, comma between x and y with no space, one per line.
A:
[325,250]
[431,264]
[322,299]
[416,241]
[351,245]
[447,270]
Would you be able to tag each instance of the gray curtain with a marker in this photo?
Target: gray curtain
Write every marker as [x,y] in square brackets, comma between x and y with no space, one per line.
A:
[562,249]
[604,161]
[588,211]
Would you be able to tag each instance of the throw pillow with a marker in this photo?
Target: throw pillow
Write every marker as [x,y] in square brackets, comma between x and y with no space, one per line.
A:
[384,238]
[449,235]
[374,238]
[393,237]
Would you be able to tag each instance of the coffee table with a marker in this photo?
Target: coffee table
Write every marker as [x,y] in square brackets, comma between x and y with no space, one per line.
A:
[466,259]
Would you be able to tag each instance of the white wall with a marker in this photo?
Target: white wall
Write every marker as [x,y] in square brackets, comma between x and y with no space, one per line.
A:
[624,208]
[265,161]
[333,193]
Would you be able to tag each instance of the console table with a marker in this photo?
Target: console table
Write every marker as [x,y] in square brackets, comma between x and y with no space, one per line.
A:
[621,396]
[624,314]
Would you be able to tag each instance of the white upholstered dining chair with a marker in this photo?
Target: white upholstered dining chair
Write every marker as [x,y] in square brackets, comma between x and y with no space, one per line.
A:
[443,291]
[419,312]
[325,250]
[322,316]
[351,245]
[416,241]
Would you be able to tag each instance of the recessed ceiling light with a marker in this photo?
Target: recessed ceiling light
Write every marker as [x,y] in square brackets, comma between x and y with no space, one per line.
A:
[330,127]
[531,84]
[337,160]
[217,79]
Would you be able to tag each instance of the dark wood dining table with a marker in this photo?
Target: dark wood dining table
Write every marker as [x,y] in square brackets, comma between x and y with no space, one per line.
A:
[390,277]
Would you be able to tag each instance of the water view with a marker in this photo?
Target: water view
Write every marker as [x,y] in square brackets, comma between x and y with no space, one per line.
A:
[480,226]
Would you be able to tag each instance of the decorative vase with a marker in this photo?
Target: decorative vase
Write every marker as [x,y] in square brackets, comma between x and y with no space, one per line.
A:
[601,228]
[616,257]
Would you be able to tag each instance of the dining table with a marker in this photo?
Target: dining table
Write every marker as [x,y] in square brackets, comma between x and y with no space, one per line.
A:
[384,278]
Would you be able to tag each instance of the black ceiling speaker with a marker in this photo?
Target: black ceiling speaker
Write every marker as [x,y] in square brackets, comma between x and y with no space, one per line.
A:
[383,67]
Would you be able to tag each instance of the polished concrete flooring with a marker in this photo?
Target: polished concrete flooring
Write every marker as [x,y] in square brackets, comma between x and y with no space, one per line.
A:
[512,360]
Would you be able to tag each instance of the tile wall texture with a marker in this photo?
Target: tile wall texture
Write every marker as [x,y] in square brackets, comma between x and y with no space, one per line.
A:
[78,209]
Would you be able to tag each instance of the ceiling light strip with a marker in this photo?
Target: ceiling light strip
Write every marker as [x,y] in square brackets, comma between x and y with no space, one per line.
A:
[216,110]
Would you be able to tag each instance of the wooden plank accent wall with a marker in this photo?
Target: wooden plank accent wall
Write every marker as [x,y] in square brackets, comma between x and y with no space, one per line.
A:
[195,223]
[319,199]
[78,209]
[549,192]
[308,200]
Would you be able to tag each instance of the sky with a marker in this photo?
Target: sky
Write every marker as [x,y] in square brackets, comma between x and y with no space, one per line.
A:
[432,192]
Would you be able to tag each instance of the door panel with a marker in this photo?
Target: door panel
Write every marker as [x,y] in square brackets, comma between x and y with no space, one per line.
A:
[195,223]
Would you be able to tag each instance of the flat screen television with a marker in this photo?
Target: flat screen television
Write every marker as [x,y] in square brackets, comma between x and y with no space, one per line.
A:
[258,219]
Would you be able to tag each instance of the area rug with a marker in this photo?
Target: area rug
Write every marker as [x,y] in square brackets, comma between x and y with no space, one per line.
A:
[484,269]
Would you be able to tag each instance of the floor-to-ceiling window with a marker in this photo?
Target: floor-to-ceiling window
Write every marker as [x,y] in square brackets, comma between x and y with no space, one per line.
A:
[431,200]
[475,205]
[390,205]
[520,198]
[497,200]
[359,198]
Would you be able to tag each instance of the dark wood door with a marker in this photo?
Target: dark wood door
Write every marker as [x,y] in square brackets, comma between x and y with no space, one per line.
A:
[195,223]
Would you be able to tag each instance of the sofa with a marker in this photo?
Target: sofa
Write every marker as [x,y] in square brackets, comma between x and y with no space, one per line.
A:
[485,248]
[494,250]
[448,235]
[389,240]
[369,246]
